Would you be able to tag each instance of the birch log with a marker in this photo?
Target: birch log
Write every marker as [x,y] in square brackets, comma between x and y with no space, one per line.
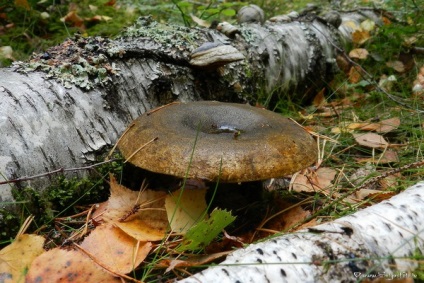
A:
[376,242]
[60,111]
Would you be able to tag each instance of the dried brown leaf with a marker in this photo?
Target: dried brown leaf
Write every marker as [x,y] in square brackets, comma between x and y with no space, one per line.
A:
[388,125]
[314,181]
[359,53]
[371,140]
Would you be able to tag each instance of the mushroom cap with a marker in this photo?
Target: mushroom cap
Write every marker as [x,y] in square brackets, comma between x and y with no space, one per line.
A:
[232,142]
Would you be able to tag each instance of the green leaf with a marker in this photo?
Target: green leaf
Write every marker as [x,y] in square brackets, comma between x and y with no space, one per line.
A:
[184,4]
[228,12]
[201,234]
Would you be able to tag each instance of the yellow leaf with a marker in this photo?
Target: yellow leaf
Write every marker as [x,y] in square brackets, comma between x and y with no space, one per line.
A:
[16,257]
[185,207]
[368,25]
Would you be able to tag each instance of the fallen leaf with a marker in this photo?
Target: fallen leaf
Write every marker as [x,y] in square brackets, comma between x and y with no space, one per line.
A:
[140,214]
[17,257]
[319,99]
[313,181]
[114,249]
[201,234]
[388,125]
[355,74]
[146,228]
[398,66]
[359,53]
[368,25]
[371,140]
[185,207]
[376,195]
[73,18]
[360,36]
[58,265]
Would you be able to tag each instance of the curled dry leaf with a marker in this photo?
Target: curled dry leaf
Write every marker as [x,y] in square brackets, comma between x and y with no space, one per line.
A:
[114,249]
[58,265]
[371,140]
[375,195]
[358,53]
[140,214]
[398,66]
[383,126]
[313,181]
[16,257]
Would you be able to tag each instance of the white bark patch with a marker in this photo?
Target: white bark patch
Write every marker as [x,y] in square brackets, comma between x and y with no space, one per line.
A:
[371,242]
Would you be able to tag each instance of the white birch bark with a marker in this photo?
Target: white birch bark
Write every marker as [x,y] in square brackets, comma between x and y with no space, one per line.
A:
[375,242]
[45,126]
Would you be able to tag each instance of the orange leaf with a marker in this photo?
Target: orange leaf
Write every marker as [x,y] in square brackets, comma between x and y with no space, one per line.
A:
[360,37]
[140,214]
[58,265]
[355,74]
[114,249]
[73,18]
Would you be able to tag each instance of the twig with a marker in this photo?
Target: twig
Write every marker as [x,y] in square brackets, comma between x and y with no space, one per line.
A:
[140,148]
[60,170]
[389,173]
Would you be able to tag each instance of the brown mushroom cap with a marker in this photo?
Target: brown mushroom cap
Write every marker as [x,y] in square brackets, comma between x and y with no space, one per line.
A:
[235,142]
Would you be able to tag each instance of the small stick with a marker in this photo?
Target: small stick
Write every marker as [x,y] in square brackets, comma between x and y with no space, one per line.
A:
[140,148]
[161,107]
[60,170]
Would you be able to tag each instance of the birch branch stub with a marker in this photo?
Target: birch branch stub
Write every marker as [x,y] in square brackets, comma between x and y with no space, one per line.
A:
[375,242]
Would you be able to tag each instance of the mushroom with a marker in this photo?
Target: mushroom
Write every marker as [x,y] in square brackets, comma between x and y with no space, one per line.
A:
[213,55]
[218,142]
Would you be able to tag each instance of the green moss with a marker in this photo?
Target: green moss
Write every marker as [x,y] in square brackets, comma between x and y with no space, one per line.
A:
[64,196]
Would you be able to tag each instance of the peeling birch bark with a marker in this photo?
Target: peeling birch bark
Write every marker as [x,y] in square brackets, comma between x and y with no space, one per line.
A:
[46,125]
[372,243]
